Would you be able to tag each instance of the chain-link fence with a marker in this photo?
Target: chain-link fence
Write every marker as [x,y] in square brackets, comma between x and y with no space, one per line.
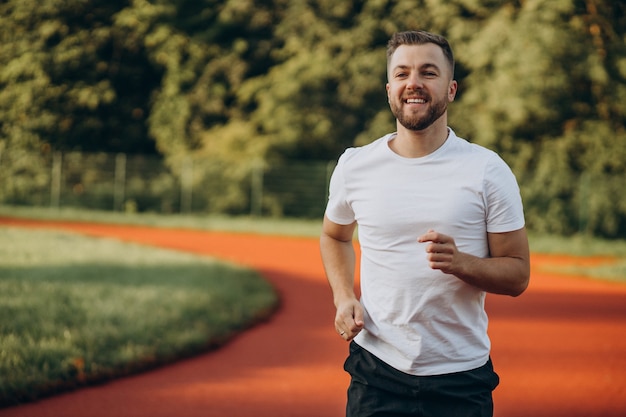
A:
[135,183]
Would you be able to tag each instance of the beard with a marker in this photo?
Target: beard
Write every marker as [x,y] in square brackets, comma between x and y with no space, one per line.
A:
[415,122]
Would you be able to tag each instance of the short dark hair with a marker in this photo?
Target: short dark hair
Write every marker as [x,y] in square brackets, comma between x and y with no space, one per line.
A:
[420,37]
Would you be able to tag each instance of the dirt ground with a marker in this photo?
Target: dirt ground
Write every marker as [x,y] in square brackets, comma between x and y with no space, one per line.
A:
[560,348]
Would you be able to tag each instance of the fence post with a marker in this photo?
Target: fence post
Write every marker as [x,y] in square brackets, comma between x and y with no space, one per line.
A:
[584,185]
[186,185]
[256,189]
[120,182]
[55,180]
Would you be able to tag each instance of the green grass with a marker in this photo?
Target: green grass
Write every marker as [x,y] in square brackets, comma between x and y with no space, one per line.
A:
[75,310]
[609,272]
[584,246]
[578,245]
[247,224]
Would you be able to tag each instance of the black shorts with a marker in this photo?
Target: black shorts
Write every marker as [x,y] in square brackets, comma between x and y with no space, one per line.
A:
[377,389]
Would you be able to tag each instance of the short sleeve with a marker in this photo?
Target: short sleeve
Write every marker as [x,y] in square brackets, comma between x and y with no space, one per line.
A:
[338,209]
[505,212]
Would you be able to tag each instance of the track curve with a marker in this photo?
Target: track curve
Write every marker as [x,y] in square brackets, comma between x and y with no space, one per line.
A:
[560,348]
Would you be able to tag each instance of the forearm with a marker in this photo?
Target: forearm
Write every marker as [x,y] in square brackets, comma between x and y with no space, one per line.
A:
[499,275]
[506,271]
[339,259]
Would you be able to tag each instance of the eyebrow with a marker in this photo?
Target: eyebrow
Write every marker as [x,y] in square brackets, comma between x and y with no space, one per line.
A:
[422,67]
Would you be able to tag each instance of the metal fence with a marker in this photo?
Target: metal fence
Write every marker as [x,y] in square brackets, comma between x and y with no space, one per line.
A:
[132,183]
[139,183]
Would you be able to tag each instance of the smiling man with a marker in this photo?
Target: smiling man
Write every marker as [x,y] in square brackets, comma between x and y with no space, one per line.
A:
[441,223]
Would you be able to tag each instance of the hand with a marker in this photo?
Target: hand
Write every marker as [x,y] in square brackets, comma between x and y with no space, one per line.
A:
[349,318]
[442,252]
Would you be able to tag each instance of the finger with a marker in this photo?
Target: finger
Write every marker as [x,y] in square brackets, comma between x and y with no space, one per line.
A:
[343,325]
[358,317]
[439,248]
[428,236]
[346,335]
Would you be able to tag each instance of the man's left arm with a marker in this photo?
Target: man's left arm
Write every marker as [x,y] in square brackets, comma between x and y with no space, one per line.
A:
[506,271]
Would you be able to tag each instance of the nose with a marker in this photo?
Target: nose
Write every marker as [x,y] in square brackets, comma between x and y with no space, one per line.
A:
[414,82]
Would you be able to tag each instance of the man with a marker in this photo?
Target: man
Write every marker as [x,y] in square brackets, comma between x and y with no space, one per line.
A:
[440,224]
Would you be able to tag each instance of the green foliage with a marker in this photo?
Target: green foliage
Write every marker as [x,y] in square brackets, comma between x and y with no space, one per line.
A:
[238,84]
[545,87]
[70,80]
[75,310]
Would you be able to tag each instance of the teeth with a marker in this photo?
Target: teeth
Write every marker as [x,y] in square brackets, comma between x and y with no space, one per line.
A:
[416,100]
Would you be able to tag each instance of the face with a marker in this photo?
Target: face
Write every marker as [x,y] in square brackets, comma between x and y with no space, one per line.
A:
[420,85]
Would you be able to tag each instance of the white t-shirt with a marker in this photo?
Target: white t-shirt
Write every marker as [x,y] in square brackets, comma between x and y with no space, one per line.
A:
[419,320]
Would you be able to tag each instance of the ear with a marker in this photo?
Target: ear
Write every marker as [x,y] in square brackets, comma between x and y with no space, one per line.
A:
[452,88]
[387,88]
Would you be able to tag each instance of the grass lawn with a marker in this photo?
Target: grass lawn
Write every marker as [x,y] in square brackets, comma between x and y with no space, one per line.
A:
[75,310]
[614,270]
[294,227]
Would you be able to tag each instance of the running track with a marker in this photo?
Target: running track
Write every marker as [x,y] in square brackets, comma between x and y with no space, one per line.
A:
[560,348]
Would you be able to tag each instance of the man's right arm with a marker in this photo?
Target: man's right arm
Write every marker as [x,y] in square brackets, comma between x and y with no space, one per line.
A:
[339,260]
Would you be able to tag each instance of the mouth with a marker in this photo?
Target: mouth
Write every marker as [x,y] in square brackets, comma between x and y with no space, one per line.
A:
[414,100]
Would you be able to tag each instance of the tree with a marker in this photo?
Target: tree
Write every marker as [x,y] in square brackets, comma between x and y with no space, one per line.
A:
[546,87]
[68,81]
[242,85]
[89,89]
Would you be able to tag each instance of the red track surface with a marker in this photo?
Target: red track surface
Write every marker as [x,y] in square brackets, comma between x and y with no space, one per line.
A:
[560,348]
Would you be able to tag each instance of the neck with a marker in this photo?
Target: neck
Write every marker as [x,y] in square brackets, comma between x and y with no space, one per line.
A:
[416,144]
